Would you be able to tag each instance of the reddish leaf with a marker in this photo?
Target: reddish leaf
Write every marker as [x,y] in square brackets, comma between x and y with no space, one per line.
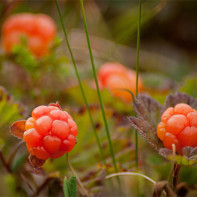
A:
[18,128]
[35,162]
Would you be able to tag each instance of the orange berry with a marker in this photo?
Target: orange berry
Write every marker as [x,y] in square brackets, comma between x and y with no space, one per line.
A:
[40,111]
[73,127]
[167,114]
[51,143]
[188,137]
[182,108]
[32,137]
[50,132]
[43,125]
[41,153]
[169,140]
[39,29]
[110,68]
[60,129]
[59,115]
[68,145]
[161,130]
[192,117]
[29,123]
[178,126]
[116,78]
[30,149]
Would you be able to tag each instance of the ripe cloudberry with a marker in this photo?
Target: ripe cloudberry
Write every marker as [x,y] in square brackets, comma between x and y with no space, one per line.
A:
[38,29]
[50,132]
[178,126]
[116,77]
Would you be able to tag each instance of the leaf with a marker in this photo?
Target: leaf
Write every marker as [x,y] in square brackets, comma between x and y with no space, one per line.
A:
[148,116]
[35,162]
[18,128]
[70,187]
[189,156]
[172,100]
[149,113]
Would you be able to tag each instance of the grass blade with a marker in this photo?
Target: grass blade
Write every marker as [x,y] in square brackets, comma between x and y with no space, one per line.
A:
[137,74]
[81,87]
[97,87]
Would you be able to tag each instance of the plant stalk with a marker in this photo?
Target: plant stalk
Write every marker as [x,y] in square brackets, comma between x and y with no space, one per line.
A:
[97,87]
[81,87]
[137,74]
[175,175]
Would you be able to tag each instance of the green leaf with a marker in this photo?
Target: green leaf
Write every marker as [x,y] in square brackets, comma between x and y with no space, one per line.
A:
[70,187]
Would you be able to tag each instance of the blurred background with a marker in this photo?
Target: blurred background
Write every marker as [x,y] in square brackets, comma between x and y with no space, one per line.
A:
[168,63]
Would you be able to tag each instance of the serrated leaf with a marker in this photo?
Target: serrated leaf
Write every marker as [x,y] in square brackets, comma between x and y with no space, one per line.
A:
[149,113]
[148,116]
[70,187]
[172,100]
[35,162]
[18,128]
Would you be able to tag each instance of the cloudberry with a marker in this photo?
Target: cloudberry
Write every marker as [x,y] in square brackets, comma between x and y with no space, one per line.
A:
[178,126]
[50,132]
[117,77]
[38,29]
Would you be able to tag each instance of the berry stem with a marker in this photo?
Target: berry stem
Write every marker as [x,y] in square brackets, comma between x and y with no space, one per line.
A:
[81,87]
[175,175]
[83,189]
[137,74]
[97,87]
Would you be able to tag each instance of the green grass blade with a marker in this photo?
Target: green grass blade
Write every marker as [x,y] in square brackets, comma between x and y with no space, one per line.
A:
[70,187]
[97,87]
[137,74]
[81,87]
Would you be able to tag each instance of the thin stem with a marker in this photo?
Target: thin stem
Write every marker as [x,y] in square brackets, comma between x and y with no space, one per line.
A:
[77,178]
[137,73]
[4,162]
[97,87]
[131,174]
[175,175]
[81,87]
[14,151]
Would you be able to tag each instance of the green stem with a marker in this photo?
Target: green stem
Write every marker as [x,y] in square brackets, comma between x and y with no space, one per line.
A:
[137,74]
[98,90]
[81,87]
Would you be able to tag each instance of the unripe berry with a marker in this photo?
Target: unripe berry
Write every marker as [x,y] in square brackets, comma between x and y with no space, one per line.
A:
[178,126]
[38,29]
[50,132]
